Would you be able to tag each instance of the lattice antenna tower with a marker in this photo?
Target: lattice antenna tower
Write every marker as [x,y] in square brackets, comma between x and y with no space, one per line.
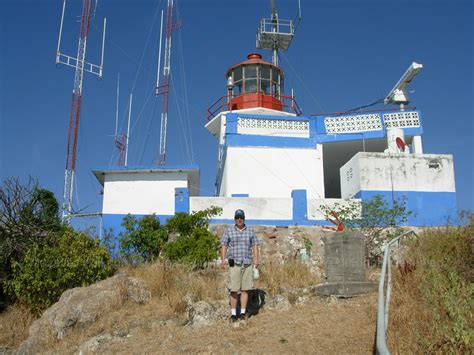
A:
[275,34]
[80,66]
[163,89]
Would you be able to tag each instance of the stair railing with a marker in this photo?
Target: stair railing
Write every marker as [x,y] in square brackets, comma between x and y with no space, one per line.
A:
[384,299]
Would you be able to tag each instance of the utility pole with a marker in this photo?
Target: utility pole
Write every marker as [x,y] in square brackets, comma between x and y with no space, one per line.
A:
[80,66]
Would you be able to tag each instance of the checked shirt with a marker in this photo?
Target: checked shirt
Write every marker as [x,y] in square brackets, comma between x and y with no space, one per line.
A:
[240,243]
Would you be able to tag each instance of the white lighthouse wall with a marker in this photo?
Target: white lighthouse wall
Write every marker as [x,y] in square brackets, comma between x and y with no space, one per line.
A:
[272,172]
[141,193]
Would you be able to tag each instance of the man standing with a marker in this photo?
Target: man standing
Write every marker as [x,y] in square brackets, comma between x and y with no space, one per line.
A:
[242,244]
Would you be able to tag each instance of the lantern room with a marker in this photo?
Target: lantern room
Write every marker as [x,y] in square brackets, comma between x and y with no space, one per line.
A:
[255,83]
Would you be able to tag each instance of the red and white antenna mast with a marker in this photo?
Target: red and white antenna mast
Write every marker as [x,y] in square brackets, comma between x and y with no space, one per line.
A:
[80,66]
[164,88]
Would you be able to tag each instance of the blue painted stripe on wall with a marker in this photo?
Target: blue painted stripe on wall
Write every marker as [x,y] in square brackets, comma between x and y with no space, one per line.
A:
[239,195]
[429,208]
[300,206]
[248,140]
[181,199]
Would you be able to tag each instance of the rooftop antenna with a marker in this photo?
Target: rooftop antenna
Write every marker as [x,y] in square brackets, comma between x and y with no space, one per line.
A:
[80,66]
[398,95]
[276,34]
[164,88]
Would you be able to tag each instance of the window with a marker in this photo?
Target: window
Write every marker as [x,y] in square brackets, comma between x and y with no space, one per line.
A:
[250,85]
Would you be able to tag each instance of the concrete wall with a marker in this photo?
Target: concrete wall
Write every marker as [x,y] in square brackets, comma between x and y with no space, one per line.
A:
[141,193]
[397,172]
[272,172]
[425,180]
[255,208]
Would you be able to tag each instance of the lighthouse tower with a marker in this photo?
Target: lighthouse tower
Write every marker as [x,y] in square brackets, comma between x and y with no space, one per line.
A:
[266,149]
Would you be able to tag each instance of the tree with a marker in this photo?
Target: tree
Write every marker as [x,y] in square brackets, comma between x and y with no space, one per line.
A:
[193,243]
[143,239]
[28,213]
[378,221]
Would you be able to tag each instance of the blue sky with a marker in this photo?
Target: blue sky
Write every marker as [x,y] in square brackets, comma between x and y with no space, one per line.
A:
[345,54]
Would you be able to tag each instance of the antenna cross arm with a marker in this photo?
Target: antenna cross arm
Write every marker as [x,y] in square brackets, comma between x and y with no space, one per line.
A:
[73,62]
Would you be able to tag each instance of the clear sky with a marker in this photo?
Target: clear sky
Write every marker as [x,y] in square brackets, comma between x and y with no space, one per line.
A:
[345,54]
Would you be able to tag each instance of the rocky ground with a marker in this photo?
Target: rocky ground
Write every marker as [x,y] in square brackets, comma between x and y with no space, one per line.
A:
[307,324]
[319,326]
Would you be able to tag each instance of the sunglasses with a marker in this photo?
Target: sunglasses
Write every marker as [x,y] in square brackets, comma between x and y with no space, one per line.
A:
[239,218]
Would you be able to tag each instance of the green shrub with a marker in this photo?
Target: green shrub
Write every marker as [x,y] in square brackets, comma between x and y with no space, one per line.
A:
[143,238]
[47,269]
[376,219]
[193,243]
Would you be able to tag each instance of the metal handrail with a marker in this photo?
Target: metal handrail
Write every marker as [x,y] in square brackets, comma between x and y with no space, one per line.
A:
[289,104]
[384,301]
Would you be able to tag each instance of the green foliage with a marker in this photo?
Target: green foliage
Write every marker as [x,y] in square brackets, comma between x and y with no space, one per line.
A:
[443,262]
[143,238]
[193,243]
[376,219]
[308,244]
[28,215]
[68,260]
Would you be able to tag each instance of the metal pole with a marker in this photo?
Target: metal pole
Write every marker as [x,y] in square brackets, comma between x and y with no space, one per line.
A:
[128,129]
[103,47]
[159,55]
[60,32]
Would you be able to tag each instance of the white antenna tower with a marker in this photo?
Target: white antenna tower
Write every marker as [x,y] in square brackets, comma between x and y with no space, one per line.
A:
[164,88]
[80,66]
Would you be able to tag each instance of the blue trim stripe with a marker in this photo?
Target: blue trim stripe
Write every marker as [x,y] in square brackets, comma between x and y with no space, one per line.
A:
[428,208]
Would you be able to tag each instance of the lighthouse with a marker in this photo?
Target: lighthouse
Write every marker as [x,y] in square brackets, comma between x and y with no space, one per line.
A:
[266,148]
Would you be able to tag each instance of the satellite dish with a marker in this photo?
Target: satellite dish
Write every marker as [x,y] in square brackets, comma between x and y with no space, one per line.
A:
[400,144]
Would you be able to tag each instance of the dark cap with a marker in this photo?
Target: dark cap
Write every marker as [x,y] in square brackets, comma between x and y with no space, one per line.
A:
[239,214]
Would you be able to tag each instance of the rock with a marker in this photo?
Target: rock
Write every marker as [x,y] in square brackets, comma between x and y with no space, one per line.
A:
[279,301]
[81,306]
[92,345]
[203,313]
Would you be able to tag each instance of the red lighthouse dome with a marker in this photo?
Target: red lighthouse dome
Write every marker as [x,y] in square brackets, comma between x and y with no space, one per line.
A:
[255,83]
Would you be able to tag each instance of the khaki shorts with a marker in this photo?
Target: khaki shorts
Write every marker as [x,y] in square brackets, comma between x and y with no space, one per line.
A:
[241,278]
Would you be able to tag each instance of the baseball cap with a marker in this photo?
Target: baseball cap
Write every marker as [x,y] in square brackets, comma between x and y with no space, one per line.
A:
[239,213]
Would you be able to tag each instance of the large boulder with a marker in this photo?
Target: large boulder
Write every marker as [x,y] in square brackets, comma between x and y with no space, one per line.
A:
[81,306]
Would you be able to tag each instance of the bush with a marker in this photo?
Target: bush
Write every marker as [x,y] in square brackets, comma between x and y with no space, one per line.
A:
[28,215]
[193,243]
[433,294]
[143,238]
[72,259]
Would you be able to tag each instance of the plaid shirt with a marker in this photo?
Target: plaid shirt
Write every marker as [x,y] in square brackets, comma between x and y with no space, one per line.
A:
[240,243]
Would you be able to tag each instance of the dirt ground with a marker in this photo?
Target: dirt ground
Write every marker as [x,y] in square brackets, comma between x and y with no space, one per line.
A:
[320,326]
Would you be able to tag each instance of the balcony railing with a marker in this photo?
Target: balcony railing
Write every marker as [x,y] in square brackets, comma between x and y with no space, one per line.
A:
[289,104]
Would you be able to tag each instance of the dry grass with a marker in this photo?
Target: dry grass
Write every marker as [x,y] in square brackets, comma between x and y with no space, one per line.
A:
[276,276]
[174,282]
[14,324]
[432,302]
